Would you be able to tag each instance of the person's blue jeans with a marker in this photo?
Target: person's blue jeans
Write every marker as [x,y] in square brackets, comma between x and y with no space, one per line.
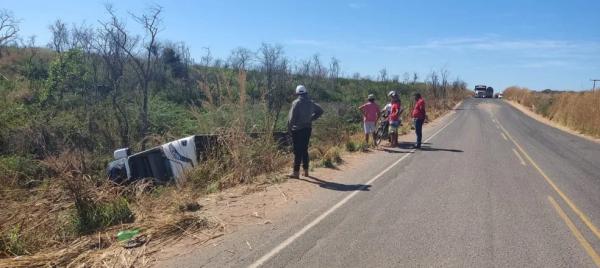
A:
[419,131]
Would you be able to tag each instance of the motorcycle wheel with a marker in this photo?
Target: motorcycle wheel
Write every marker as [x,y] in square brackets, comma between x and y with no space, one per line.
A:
[379,135]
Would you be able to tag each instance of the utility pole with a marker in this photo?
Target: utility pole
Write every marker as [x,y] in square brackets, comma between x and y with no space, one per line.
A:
[594,80]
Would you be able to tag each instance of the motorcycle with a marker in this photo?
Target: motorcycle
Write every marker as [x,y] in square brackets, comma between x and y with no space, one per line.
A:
[382,132]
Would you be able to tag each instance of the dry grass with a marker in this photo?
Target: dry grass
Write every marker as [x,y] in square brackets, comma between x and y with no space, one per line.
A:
[103,250]
[39,224]
[579,111]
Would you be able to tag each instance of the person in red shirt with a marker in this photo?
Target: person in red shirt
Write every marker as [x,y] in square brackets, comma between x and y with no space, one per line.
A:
[394,118]
[419,116]
[370,111]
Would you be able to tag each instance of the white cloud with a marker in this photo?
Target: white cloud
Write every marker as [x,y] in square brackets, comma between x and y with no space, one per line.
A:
[488,43]
[355,5]
[528,48]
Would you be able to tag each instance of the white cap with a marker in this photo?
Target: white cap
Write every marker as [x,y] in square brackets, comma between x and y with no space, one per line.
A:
[300,89]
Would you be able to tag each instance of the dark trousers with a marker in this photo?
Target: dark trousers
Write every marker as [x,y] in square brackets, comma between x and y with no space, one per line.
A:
[419,130]
[301,138]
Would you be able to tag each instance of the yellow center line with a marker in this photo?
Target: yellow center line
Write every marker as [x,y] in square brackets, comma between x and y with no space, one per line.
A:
[519,156]
[504,136]
[584,243]
[567,200]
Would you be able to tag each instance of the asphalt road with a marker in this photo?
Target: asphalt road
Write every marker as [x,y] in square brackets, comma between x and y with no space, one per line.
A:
[492,188]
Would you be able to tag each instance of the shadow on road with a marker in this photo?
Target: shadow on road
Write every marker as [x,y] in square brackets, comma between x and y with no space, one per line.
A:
[410,145]
[336,186]
[441,150]
[393,151]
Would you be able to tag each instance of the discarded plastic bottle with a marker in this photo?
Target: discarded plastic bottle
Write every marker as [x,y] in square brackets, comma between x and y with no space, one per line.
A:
[127,234]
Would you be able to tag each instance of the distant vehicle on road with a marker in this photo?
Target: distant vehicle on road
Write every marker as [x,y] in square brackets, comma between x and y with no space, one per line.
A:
[489,92]
[498,95]
[480,91]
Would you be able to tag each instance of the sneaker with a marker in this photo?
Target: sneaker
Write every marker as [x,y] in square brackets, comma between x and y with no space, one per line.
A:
[294,175]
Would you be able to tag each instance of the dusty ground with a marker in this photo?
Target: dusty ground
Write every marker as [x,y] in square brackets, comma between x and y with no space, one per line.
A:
[257,204]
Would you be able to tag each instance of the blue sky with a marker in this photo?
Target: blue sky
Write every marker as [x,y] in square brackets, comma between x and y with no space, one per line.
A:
[538,44]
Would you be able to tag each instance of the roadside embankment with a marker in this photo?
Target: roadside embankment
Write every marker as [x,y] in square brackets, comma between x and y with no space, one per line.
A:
[575,112]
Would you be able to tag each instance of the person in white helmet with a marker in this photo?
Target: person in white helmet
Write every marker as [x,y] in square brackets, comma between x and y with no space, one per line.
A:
[300,117]
[394,117]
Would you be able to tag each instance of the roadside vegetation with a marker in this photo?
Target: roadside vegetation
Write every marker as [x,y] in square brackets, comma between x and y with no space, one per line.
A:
[579,111]
[67,105]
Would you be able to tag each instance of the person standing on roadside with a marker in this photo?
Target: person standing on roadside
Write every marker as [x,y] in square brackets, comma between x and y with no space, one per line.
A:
[300,117]
[394,118]
[419,116]
[370,111]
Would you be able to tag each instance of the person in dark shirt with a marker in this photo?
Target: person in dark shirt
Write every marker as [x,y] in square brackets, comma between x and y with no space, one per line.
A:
[300,117]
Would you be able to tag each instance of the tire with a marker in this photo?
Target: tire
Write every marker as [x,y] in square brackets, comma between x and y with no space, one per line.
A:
[379,134]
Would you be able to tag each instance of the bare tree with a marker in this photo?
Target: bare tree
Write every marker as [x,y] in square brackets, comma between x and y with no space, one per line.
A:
[304,68]
[318,71]
[143,53]
[240,58]
[406,77]
[151,22]
[415,78]
[207,58]
[270,57]
[218,63]
[458,88]
[9,28]
[60,36]
[433,83]
[274,66]
[356,76]
[383,75]
[110,44]
[334,68]
[82,37]
[444,73]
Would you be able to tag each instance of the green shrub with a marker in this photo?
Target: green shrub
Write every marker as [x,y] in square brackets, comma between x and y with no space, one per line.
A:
[331,158]
[11,243]
[351,146]
[20,171]
[327,162]
[91,216]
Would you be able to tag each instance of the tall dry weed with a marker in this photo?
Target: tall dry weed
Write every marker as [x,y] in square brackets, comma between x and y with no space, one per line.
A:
[577,110]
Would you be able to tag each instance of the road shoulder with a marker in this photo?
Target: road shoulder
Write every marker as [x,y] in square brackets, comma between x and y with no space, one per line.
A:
[549,122]
[253,217]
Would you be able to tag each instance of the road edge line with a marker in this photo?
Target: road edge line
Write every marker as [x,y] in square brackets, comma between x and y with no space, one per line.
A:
[567,200]
[578,235]
[339,204]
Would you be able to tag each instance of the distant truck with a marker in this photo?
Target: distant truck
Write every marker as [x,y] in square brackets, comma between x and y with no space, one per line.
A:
[489,92]
[483,91]
[168,162]
[480,91]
